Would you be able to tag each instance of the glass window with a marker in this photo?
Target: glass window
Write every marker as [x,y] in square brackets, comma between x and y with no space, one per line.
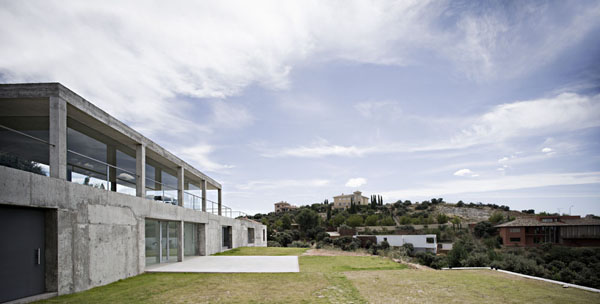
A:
[152,241]
[190,235]
[515,229]
[125,173]
[85,160]
[173,245]
[515,240]
[20,151]
[430,240]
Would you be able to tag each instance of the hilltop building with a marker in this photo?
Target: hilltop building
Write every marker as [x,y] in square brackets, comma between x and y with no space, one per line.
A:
[85,200]
[564,230]
[284,207]
[343,201]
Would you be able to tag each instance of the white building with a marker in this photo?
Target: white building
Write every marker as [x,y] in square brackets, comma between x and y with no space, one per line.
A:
[421,242]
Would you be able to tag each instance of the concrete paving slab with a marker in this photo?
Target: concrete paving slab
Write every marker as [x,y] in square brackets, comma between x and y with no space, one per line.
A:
[229,264]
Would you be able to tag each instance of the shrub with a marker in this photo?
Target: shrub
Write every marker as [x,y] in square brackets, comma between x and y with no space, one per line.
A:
[299,244]
[273,244]
[477,260]
[409,249]
[347,243]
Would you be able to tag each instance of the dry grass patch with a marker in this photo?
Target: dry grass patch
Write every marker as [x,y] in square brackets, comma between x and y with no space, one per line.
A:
[417,286]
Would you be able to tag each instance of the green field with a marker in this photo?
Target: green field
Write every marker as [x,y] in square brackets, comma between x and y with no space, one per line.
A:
[331,279]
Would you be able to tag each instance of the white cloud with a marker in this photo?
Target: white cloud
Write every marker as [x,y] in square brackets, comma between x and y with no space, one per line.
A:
[371,109]
[465,173]
[356,182]
[230,115]
[498,183]
[198,156]
[565,112]
[547,150]
[135,68]
[562,113]
[286,183]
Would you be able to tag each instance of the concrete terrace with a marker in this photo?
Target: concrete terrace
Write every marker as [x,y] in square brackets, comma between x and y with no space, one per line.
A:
[231,264]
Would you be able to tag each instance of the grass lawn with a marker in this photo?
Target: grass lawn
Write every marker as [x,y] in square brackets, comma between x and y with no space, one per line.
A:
[330,279]
[276,251]
[461,286]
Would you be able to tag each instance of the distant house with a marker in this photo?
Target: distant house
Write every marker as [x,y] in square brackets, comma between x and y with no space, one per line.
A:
[564,230]
[283,207]
[343,201]
[420,242]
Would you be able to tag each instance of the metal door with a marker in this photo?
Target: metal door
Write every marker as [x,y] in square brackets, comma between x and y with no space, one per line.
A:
[22,254]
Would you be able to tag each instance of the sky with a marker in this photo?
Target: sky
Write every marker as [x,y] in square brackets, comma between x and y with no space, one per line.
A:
[299,101]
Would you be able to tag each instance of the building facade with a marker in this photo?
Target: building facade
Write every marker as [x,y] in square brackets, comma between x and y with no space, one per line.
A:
[284,207]
[344,201]
[85,200]
[420,242]
[564,230]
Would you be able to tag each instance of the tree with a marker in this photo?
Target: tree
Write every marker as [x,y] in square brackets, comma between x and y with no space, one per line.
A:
[354,220]
[388,221]
[496,218]
[483,229]
[307,219]
[338,220]
[328,212]
[455,223]
[286,222]
[442,218]
[371,220]
[460,204]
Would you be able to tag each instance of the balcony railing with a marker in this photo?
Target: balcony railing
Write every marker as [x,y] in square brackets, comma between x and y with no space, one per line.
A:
[86,170]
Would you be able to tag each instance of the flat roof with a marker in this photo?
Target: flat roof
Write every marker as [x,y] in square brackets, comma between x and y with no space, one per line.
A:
[101,120]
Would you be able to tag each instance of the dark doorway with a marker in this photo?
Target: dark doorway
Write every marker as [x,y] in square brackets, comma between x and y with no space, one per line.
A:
[227,236]
[22,258]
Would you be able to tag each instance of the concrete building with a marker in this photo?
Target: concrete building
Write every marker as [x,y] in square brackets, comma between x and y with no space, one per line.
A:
[85,200]
[343,201]
[564,230]
[420,242]
[284,207]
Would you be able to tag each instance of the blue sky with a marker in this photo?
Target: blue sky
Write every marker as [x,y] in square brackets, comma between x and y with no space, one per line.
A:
[494,102]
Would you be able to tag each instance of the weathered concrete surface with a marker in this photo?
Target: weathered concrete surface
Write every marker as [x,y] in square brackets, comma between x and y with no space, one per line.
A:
[101,234]
[258,264]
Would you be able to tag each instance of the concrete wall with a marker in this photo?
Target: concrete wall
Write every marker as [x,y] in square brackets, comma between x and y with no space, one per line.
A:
[100,234]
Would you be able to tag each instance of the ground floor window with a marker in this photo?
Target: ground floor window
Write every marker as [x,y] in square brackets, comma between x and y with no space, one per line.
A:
[190,235]
[515,240]
[161,241]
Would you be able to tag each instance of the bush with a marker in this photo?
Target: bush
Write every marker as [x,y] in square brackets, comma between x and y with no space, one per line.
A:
[347,243]
[273,244]
[431,260]
[409,249]
[299,244]
[477,260]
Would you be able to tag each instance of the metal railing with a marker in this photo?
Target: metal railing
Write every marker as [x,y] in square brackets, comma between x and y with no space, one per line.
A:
[191,201]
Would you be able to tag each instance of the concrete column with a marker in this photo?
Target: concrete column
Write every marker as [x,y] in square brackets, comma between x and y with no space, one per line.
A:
[140,170]
[111,159]
[58,138]
[180,184]
[219,200]
[180,252]
[203,195]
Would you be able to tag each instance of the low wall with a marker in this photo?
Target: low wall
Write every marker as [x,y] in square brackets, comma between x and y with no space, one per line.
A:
[100,235]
